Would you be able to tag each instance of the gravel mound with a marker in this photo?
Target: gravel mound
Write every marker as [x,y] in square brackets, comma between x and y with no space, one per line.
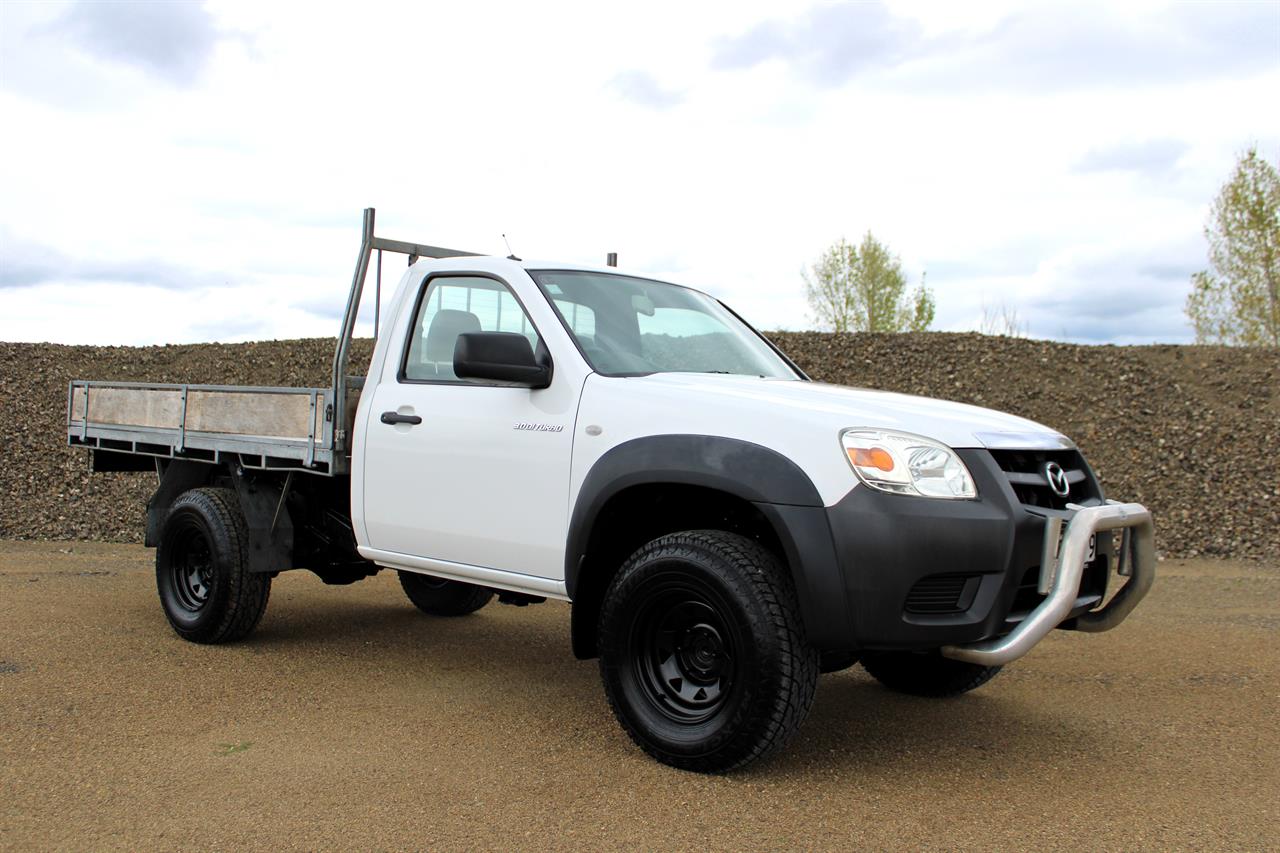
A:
[1192,432]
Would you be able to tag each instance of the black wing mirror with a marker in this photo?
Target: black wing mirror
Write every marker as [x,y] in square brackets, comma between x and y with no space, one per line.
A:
[502,357]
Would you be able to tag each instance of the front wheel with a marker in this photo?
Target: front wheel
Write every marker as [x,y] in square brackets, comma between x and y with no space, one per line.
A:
[926,674]
[703,653]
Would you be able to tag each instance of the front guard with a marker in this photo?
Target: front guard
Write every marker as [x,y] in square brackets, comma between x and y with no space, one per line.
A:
[1060,576]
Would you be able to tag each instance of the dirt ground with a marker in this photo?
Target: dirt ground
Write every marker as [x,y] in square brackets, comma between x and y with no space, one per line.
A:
[349,720]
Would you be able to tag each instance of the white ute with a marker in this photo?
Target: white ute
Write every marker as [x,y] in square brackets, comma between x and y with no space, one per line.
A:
[724,527]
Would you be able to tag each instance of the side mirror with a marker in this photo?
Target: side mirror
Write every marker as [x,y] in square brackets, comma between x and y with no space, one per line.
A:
[502,357]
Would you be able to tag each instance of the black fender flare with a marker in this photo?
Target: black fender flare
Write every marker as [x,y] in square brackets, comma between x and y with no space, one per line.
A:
[177,476]
[261,500]
[778,487]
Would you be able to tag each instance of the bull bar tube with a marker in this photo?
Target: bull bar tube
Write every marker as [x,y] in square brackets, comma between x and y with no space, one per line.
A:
[1061,570]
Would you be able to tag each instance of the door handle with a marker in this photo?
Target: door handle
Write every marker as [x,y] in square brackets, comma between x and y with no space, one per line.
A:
[397,418]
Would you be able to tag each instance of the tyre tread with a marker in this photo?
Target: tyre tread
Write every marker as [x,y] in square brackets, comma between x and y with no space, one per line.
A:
[763,733]
[248,591]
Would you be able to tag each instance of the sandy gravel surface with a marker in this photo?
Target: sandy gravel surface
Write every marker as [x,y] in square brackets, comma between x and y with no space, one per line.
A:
[350,720]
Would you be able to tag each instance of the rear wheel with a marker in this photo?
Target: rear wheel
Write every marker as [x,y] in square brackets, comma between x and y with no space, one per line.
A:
[440,597]
[202,573]
[703,653]
[926,674]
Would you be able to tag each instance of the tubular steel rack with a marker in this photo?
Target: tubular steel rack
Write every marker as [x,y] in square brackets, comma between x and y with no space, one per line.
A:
[303,429]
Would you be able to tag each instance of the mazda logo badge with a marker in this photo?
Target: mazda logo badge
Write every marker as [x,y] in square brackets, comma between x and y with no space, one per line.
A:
[1057,479]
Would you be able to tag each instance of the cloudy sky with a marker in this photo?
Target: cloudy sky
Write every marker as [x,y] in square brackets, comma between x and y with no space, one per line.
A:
[174,172]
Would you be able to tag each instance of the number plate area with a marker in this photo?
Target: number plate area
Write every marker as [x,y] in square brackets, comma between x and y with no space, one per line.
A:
[1055,528]
[1089,555]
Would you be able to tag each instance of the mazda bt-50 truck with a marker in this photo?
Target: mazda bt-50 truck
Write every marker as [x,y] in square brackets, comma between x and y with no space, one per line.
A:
[724,528]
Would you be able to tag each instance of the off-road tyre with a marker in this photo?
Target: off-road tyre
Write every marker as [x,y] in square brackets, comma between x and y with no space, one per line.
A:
[703,652]
[926,674]
[440,597]
[202,569]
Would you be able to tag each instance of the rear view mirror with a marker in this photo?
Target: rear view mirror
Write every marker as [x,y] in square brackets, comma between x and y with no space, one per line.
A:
[643,304]
[502,357]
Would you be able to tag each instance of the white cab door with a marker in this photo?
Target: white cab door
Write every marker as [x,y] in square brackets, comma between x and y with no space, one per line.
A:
[483,479]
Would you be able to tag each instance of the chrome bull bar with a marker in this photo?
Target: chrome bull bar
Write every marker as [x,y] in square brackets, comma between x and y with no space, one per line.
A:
[1060,576]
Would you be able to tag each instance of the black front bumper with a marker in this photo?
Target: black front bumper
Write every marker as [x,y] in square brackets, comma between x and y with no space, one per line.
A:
[883,571]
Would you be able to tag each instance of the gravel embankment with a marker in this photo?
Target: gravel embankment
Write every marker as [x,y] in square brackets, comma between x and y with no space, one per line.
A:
[1193,432]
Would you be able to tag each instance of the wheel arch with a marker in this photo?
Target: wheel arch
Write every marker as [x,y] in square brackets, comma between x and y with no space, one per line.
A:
[260,499]
[652,486]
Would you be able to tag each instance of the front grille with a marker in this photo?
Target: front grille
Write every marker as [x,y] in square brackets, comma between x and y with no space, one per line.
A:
[1025,471]
[939,594]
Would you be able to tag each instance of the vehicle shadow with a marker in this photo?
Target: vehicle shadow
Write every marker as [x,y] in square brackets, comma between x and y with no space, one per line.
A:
[511,645]
[523,654]
[857,724]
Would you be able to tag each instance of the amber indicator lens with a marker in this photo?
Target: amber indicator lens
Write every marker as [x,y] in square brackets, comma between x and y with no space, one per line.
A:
[871,457]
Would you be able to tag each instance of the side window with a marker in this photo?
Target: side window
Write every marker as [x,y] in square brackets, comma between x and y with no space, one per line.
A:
[451,306]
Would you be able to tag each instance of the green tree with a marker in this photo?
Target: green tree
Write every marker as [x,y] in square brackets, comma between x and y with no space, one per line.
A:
[863,289]
[1237,300]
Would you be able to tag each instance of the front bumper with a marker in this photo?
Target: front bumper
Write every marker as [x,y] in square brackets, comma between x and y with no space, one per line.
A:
[1061,575]
[973,577]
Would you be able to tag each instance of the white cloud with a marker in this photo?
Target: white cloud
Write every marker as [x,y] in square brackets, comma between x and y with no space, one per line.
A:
[642,88]
[241,166]
[172,41]
[1153,157]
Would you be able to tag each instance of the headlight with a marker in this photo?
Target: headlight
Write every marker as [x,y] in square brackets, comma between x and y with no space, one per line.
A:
[906,464]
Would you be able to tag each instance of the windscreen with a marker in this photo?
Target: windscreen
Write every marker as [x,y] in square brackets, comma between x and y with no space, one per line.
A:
[633,326]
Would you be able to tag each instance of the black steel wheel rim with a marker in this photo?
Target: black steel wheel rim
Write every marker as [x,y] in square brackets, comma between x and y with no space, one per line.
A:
[191,569]
[684,654]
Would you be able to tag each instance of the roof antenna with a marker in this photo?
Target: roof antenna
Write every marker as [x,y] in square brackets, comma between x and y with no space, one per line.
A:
[512,255]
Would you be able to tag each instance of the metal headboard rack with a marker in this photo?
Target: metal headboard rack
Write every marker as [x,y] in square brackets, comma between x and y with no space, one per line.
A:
[369,243]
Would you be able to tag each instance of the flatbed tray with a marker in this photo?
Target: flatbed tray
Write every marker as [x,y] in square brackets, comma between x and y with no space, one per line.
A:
[285,428]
